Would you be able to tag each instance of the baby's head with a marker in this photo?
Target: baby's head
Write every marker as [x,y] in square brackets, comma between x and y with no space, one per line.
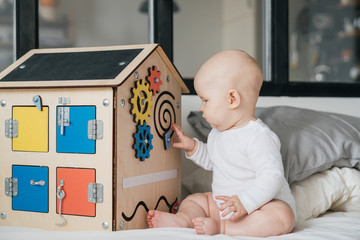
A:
[229,84]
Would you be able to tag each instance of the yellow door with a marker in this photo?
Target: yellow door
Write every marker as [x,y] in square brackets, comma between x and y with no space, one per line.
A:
[33,129]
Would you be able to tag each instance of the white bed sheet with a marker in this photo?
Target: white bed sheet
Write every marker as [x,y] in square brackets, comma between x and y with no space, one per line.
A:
[332,225]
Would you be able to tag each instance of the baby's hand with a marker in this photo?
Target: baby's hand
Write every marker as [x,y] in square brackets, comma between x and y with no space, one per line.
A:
[183,141]
[232,204]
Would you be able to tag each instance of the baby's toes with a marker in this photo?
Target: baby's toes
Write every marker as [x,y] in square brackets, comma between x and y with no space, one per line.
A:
[199,225]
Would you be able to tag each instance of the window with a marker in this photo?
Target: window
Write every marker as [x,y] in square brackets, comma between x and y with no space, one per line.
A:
[285,81]
[205,27]
[82,23]
[324,41]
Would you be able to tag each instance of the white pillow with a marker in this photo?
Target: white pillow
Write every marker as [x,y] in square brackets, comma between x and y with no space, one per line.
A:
[337,189]
[351,178]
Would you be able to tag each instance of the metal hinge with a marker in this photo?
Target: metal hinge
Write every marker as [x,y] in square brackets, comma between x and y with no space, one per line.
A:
[95,192]
[11,187]
[95,129]
[63,118]
[11,128]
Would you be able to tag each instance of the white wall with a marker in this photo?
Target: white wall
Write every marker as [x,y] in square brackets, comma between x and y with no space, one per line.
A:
[239,26]
[205,27]
[197,34]
[109,22]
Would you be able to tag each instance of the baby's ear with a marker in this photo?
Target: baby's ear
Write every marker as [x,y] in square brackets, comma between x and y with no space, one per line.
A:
[233,98]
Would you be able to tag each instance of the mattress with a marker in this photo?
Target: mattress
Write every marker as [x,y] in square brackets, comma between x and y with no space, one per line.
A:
[331,225]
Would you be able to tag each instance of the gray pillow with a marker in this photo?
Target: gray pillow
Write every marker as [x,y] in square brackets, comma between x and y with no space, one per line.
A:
[311,141]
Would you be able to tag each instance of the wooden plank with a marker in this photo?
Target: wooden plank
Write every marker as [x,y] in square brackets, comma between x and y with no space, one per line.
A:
[127,165]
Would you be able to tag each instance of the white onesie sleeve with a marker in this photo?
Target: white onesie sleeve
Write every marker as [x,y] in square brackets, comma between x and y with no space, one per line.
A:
[201,156]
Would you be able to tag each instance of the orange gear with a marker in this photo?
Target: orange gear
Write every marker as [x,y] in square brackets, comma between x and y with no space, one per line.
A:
[154,80]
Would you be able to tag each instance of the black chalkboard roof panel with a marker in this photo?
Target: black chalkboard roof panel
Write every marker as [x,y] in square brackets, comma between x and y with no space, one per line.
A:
[93,66]
[73,66]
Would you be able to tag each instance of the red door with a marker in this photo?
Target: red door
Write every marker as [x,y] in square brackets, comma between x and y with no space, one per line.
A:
[75,201]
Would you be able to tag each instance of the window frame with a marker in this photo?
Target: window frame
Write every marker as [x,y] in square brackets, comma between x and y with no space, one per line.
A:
[27,26]
[277,82]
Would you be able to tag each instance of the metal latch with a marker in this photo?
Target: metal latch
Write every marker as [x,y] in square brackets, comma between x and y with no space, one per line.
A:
[38,183]
[63,118]
[38,102]
[64,100]
[60,195]
[11,128]
[95,192]
[95,129]
[11,187]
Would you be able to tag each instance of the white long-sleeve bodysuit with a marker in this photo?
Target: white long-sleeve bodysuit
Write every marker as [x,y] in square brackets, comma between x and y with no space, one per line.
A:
[246,162]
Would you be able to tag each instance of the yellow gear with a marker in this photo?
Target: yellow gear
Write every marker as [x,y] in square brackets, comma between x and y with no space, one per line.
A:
[141,101]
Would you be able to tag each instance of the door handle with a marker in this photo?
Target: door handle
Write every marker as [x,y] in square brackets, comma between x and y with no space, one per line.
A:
[39,183]
[60,194]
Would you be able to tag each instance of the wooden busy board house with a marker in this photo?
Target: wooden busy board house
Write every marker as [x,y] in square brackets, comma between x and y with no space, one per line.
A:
[86,138]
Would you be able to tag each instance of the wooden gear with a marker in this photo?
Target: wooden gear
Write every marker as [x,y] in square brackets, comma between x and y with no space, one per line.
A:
[141,102]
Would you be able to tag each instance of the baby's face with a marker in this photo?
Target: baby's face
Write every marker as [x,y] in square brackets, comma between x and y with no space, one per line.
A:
[215,83]
[213,106]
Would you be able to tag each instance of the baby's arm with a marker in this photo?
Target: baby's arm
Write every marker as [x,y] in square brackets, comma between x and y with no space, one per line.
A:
[195,150]
[183,141]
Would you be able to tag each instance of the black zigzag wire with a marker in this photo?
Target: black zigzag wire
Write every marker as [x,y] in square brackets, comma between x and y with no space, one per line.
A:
[128,219]
[142,203]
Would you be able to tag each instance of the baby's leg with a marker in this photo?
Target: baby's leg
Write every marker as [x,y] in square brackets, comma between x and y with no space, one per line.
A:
[195,205]
[274,218]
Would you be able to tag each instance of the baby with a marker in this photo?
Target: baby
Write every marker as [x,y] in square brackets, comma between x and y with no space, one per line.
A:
[250,195]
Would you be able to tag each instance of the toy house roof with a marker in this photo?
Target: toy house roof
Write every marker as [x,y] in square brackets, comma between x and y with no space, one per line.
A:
[74,67]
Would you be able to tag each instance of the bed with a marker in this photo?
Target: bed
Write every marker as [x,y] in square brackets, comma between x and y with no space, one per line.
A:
[321,147]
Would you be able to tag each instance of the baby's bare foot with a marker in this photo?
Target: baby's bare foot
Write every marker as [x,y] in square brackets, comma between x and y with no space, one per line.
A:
[207,226]
[156,219]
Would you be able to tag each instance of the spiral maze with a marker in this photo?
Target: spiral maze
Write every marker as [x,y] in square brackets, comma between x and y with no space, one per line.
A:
[164,116]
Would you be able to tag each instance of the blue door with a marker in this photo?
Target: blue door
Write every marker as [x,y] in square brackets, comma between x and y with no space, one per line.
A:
[72,135]
[33,188]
